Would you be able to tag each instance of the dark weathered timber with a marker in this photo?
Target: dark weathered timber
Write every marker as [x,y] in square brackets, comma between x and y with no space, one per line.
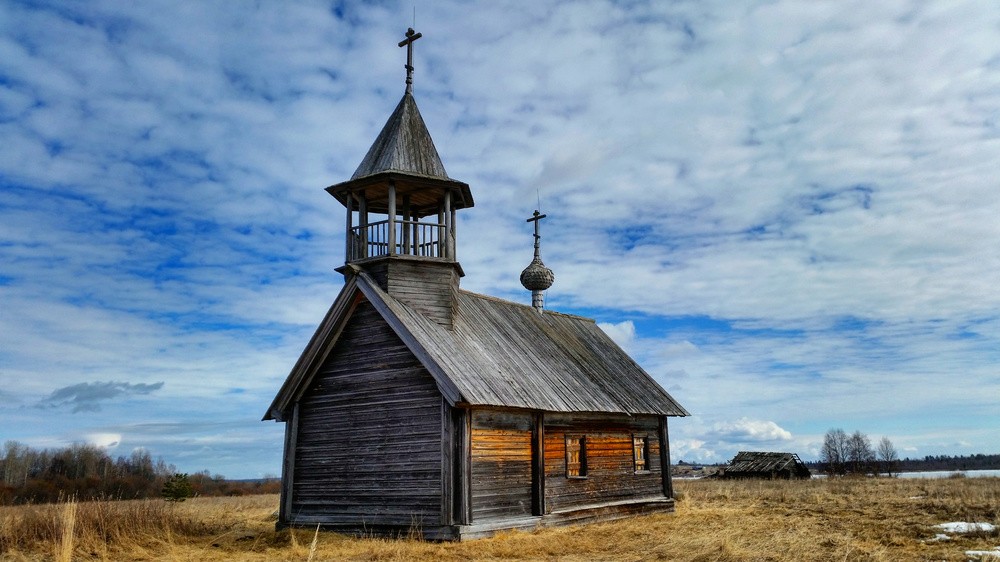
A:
[501,464]
[462,484]
[288,466]
[538,464]
[447,464]
[429,288]
[767,465]
[665,476]
[352,462]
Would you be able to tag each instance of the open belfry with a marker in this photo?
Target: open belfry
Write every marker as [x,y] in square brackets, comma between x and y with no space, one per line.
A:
[420,407]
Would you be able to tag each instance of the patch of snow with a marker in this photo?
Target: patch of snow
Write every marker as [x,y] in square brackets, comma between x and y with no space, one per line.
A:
[941,537]
[963,527]
[984,554]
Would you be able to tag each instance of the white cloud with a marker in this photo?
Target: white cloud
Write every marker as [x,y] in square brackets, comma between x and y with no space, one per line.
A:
[775,207]
[746,430]
[104,440]
[623,333]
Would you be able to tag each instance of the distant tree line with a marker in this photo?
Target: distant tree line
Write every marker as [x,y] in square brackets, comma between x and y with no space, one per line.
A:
[948,462]
[853,454]
[844,454]
[86,472]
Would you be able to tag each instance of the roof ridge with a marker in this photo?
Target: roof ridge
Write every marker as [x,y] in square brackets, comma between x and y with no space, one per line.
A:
[522,305]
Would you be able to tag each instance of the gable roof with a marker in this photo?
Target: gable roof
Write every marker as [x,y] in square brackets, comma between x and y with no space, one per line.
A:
[403,145]
[498,353]
[766,462]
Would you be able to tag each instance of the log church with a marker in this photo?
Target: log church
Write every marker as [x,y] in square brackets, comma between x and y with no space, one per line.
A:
[418,407]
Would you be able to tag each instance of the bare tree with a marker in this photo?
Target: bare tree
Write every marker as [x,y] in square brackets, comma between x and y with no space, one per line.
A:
[15,463]
[887,456]
[860,455]
[834,452]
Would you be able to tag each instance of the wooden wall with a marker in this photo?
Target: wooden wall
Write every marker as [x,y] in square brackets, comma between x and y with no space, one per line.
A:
[501,464]
[368,444]
[427,286]
[610,474]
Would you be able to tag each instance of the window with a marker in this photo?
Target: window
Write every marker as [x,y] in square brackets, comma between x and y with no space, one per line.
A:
[640,452]
[576,456]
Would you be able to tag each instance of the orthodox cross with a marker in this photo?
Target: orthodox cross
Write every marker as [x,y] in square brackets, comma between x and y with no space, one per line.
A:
[411,36]
[535,218]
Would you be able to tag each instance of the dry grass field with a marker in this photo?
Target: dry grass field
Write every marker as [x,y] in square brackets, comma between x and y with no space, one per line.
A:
[851,519]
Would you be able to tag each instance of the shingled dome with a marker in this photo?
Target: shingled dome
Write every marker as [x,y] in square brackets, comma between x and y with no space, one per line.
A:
[537,277]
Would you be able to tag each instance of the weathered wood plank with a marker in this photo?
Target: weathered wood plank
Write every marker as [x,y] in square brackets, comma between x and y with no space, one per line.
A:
[538,464]
[664,457]
[611,474]
[369,435]
[501,458]
[446,482]
[288,466]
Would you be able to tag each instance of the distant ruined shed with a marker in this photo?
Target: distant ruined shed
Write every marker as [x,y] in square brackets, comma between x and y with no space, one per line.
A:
[771,466]
[418,407]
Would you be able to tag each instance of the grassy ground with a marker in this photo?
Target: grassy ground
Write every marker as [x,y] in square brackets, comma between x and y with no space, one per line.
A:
[863,519]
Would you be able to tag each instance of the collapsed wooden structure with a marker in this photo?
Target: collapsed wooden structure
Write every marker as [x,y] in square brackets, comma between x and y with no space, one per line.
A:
[420,407]
[771,466]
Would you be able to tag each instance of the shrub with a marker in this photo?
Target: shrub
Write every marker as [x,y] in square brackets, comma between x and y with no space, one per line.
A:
[177,488]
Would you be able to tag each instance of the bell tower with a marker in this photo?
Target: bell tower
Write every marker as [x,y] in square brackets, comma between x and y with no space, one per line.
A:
[401,207]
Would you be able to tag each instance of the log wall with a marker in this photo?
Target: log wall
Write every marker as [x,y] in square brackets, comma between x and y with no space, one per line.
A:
[501,464]
[610,472]
[368,444]
[430,287]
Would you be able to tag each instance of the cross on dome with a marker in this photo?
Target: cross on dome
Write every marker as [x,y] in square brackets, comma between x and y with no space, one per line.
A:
[536,277]
[535,218]
[411,36]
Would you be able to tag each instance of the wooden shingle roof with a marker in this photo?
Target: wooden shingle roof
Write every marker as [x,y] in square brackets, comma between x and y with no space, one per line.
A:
[755,462]
[499,353]
[403,155]
[404,145]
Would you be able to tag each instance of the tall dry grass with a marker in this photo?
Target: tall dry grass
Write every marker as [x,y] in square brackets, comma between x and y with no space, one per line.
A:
[64,547]
[840,519]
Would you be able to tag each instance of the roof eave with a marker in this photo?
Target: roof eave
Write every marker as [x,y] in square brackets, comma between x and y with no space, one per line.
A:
[314,354]
[462,194]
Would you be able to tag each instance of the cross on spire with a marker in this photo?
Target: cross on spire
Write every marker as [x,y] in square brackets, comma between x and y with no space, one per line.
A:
[535,218]
[411,36]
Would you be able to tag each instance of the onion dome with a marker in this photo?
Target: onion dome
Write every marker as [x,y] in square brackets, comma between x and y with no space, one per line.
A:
[537,277]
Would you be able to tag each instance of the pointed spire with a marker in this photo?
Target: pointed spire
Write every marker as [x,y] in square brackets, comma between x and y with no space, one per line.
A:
[403,145]
[536,277]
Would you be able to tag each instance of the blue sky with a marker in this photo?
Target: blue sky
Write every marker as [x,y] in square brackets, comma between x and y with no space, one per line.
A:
[786,211]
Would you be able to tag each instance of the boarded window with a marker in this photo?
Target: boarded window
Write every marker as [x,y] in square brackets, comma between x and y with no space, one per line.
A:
[640,452]
[576,456]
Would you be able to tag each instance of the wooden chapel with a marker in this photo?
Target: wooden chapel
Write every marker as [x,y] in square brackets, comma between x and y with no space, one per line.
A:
[420,407]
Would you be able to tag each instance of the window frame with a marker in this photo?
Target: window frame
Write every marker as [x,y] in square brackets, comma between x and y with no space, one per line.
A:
[640,443]
[580,465]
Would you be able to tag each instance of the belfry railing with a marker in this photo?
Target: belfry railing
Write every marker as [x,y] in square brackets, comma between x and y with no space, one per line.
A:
[412,238]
